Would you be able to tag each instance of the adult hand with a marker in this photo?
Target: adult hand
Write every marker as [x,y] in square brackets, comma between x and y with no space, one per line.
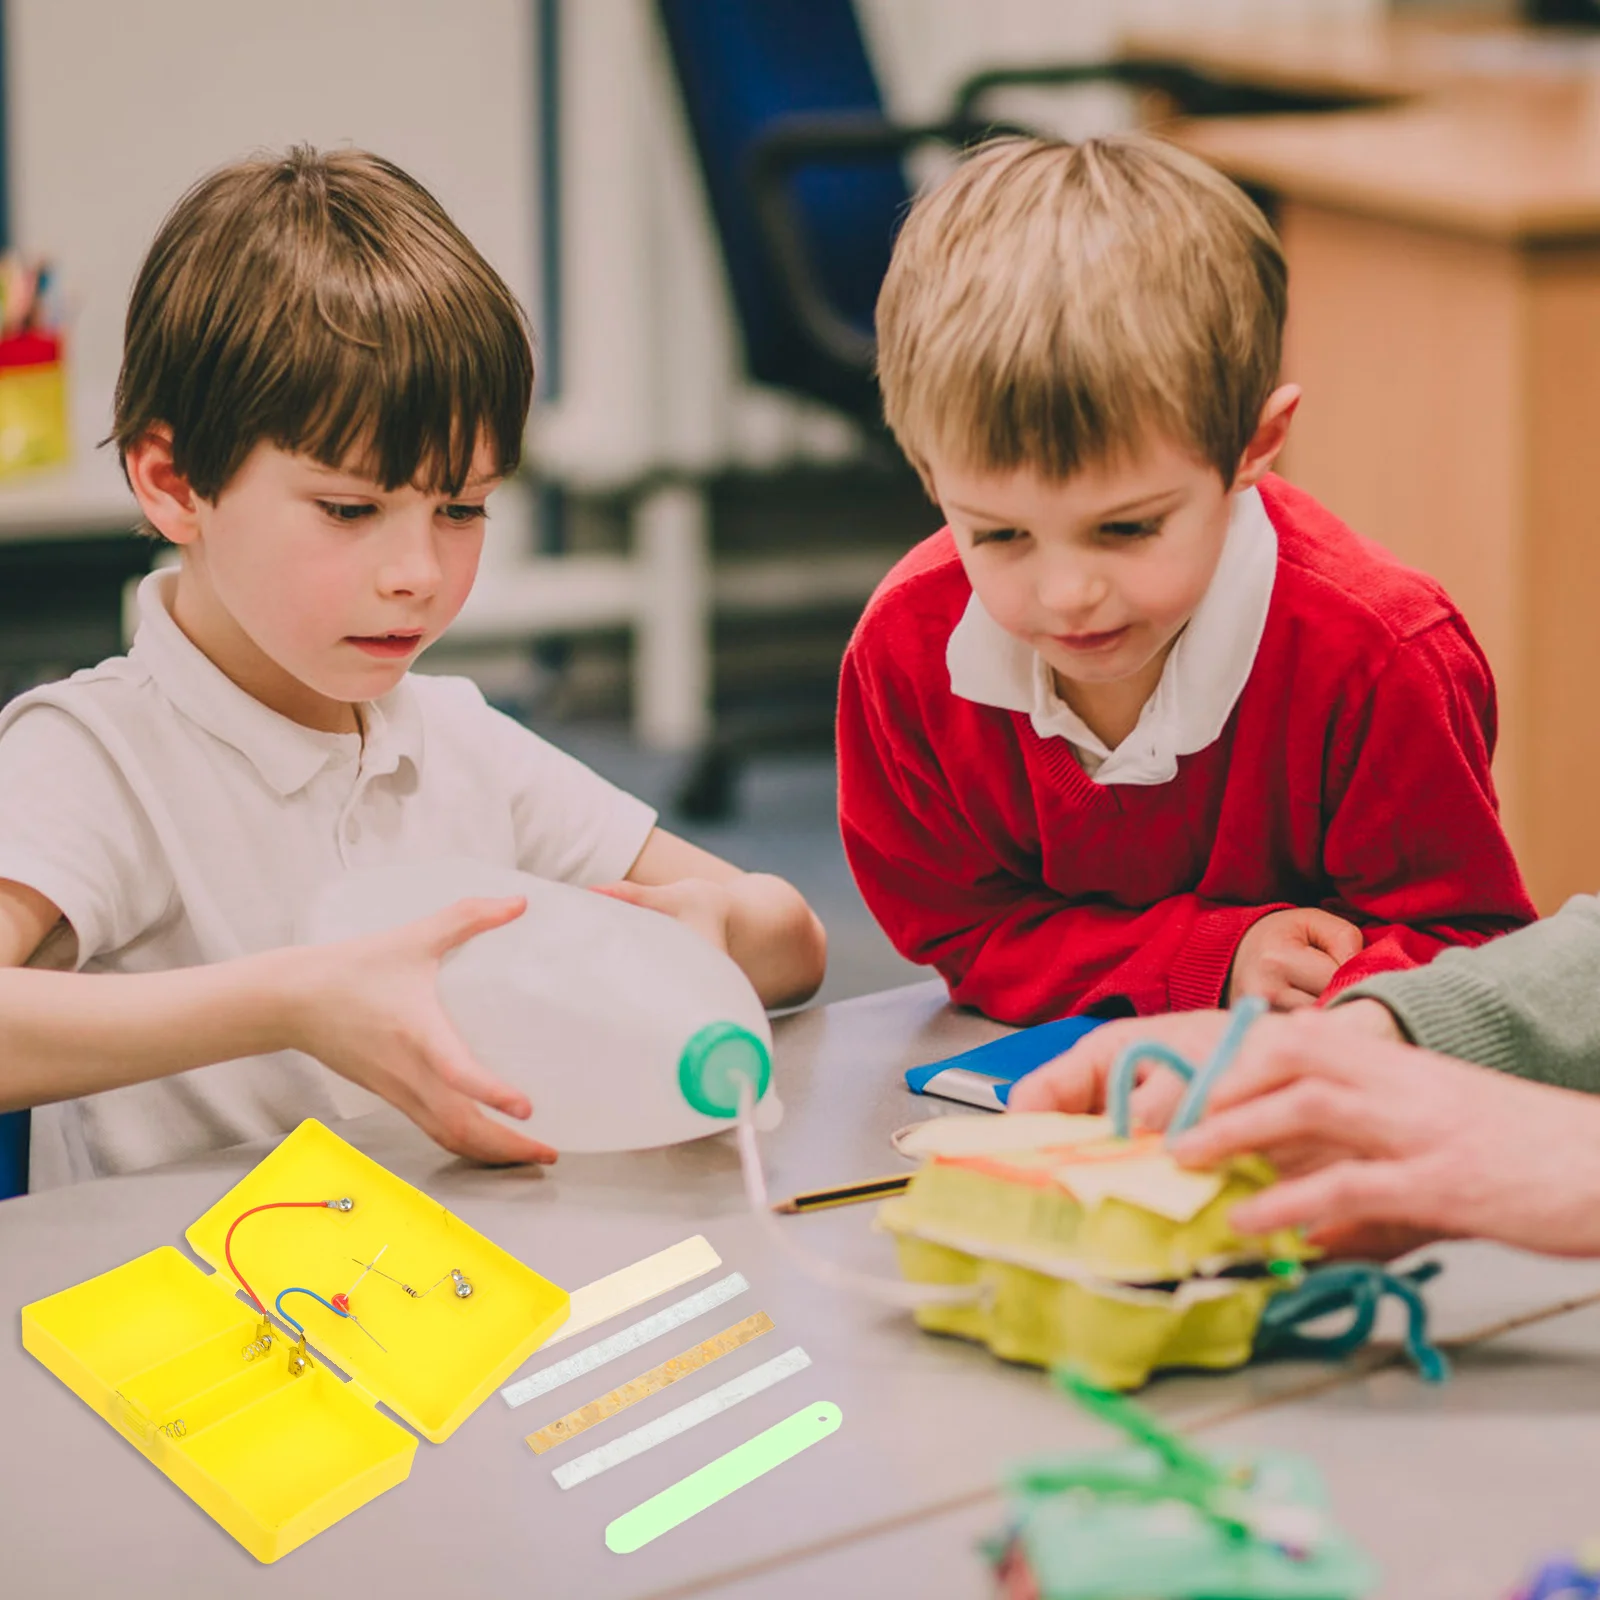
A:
[1370,1132]
[1077,1080]
[697,903]
[369,1008]
[1289,957]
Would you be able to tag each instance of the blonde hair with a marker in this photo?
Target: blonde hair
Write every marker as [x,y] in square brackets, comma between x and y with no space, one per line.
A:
[1051,305]
[324,302]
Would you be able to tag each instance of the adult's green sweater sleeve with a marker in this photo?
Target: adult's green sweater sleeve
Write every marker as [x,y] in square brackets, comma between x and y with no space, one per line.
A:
[1528,1003]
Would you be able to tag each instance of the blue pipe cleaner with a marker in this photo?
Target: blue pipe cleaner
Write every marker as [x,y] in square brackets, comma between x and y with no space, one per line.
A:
[1119,1090]
[1562,1580]
[1358,1287]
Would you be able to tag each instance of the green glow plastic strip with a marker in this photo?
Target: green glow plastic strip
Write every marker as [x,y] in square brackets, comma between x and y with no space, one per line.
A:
[718,1479]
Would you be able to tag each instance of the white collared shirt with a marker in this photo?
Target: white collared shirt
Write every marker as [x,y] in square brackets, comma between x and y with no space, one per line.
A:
[176,821]
[1200,684]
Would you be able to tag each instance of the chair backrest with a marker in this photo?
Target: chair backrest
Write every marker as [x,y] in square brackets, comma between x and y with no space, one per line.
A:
[1562,13]
[14,1129]
[743,65]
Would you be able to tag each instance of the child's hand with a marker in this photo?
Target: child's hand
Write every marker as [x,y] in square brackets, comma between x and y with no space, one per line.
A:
[1289,957]
[697,903]
[369,1009]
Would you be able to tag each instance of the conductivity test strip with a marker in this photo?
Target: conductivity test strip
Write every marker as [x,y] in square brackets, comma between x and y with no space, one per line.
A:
[669,1425]
[649,1383]
[716,1481]
[620,1344]
[631,1286]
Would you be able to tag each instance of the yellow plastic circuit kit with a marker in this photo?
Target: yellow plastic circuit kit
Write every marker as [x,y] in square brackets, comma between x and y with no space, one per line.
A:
[1091,1251]
[244,1413]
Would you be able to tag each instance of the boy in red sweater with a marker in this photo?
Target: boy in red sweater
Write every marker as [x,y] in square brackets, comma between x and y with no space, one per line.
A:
[1144,728]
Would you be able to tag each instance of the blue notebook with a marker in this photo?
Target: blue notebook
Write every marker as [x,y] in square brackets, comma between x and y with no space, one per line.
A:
[984,1077]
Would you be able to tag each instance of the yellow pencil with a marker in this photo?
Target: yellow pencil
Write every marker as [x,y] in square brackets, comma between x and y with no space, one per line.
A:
[845,1194]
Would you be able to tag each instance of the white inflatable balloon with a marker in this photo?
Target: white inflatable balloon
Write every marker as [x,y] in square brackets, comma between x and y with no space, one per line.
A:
[625,1029]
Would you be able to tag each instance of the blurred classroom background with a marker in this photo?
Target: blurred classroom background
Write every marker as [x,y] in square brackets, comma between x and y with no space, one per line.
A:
[694,199]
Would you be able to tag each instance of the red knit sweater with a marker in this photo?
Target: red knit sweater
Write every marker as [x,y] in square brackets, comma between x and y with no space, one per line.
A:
[1352,775]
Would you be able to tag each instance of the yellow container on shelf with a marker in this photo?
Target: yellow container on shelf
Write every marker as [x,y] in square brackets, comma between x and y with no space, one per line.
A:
[35,421]
[265,1437]
[1102,1255]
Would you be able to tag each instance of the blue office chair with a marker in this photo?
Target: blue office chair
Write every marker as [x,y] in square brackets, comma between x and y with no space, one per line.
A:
[802,169]
[13,1153]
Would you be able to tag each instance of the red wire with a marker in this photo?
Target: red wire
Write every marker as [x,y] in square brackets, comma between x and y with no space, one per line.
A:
[227,1243]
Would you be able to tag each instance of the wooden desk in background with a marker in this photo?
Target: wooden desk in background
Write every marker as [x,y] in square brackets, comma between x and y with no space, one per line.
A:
[1444,263]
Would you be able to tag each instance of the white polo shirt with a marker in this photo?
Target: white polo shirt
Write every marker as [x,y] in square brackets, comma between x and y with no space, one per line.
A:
[176,821]
[1200,684]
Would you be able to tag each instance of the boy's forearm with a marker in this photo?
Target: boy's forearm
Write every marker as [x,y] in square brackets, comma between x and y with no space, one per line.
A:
[64,1034]
[1048,957]
[777,939]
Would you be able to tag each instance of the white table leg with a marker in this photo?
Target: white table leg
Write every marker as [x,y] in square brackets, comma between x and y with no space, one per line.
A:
[672,642]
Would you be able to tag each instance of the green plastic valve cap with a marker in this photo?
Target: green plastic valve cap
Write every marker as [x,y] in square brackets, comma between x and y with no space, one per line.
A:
[715,1061]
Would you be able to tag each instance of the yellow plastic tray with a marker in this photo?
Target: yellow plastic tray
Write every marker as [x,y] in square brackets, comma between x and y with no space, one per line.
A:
[170,1355]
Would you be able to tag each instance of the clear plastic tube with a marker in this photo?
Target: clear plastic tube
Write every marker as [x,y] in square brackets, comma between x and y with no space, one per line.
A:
[886,1291]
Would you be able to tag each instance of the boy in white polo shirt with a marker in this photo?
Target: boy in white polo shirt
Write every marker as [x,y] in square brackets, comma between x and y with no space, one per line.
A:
[322,382]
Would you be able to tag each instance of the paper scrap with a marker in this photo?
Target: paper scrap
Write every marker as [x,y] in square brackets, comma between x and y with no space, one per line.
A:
[983,1134]
[1154,1183]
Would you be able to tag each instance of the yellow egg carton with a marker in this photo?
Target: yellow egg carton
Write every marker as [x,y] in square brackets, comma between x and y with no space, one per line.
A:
[1093,1252]
[249,1418]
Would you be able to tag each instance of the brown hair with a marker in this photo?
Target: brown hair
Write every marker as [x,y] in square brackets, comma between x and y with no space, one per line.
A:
[323,302]
[1048,305]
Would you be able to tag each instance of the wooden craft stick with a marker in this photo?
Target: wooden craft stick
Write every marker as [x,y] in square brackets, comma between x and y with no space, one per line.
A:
[649,1383]
[845,1194]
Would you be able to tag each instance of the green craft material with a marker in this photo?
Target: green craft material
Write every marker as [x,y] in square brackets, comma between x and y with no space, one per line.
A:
[1162,1521]
[718,1479]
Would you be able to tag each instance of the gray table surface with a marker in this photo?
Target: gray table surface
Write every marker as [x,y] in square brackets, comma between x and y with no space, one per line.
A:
[889,1504]
[1458,1492]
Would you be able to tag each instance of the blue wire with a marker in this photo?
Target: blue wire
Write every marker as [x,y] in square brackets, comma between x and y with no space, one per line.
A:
[278,1303]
